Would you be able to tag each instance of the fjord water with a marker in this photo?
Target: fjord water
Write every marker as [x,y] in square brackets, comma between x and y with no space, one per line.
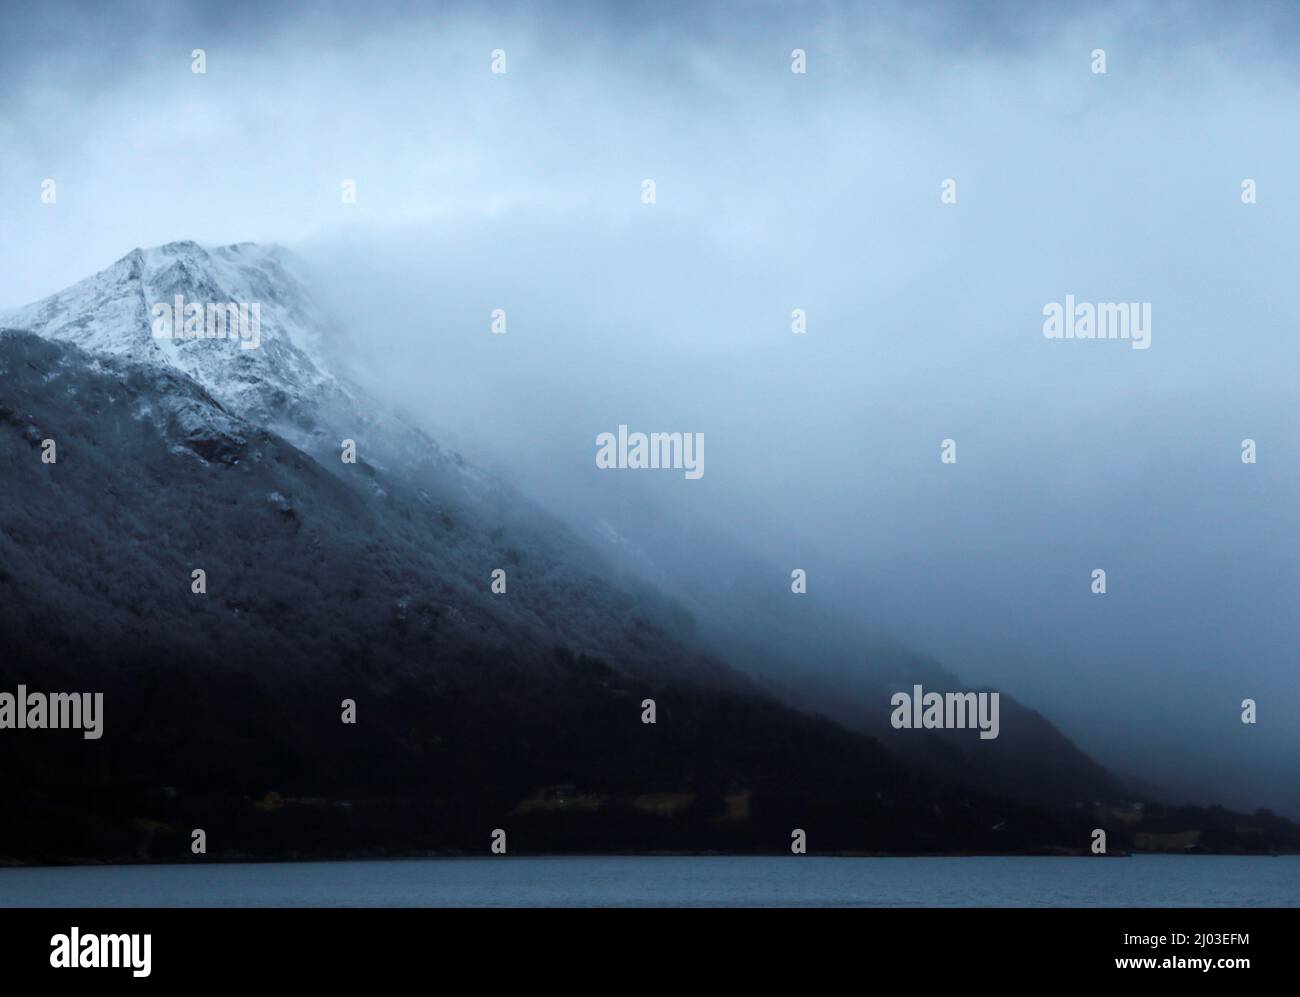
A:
[725,881]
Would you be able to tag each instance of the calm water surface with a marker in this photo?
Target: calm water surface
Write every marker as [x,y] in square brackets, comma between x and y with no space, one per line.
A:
[1154,880]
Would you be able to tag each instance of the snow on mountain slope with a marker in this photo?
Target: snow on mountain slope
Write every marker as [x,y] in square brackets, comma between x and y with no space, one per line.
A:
[294,382]
[110,313]
[295,385]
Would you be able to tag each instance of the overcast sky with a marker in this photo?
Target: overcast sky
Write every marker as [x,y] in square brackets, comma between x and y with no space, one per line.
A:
[778,191]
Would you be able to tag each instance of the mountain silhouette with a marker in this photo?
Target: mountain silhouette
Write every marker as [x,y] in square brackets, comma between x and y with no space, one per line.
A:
[327,583]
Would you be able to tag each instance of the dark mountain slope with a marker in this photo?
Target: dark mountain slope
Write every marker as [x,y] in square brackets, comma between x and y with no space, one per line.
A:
[371,582]
[151,467]
[426,515]
[325,585]
[847,669]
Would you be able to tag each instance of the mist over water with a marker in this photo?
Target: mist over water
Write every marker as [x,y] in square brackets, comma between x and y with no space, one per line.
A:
[776,192]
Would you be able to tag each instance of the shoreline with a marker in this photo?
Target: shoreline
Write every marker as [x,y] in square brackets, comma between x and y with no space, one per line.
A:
[6,864]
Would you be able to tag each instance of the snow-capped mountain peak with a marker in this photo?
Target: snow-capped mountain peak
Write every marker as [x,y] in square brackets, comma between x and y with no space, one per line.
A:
[115,312]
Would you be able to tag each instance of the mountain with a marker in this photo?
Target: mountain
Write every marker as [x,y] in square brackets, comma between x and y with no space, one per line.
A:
[371,582]
[287,383]
[847,669]
[109,314]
